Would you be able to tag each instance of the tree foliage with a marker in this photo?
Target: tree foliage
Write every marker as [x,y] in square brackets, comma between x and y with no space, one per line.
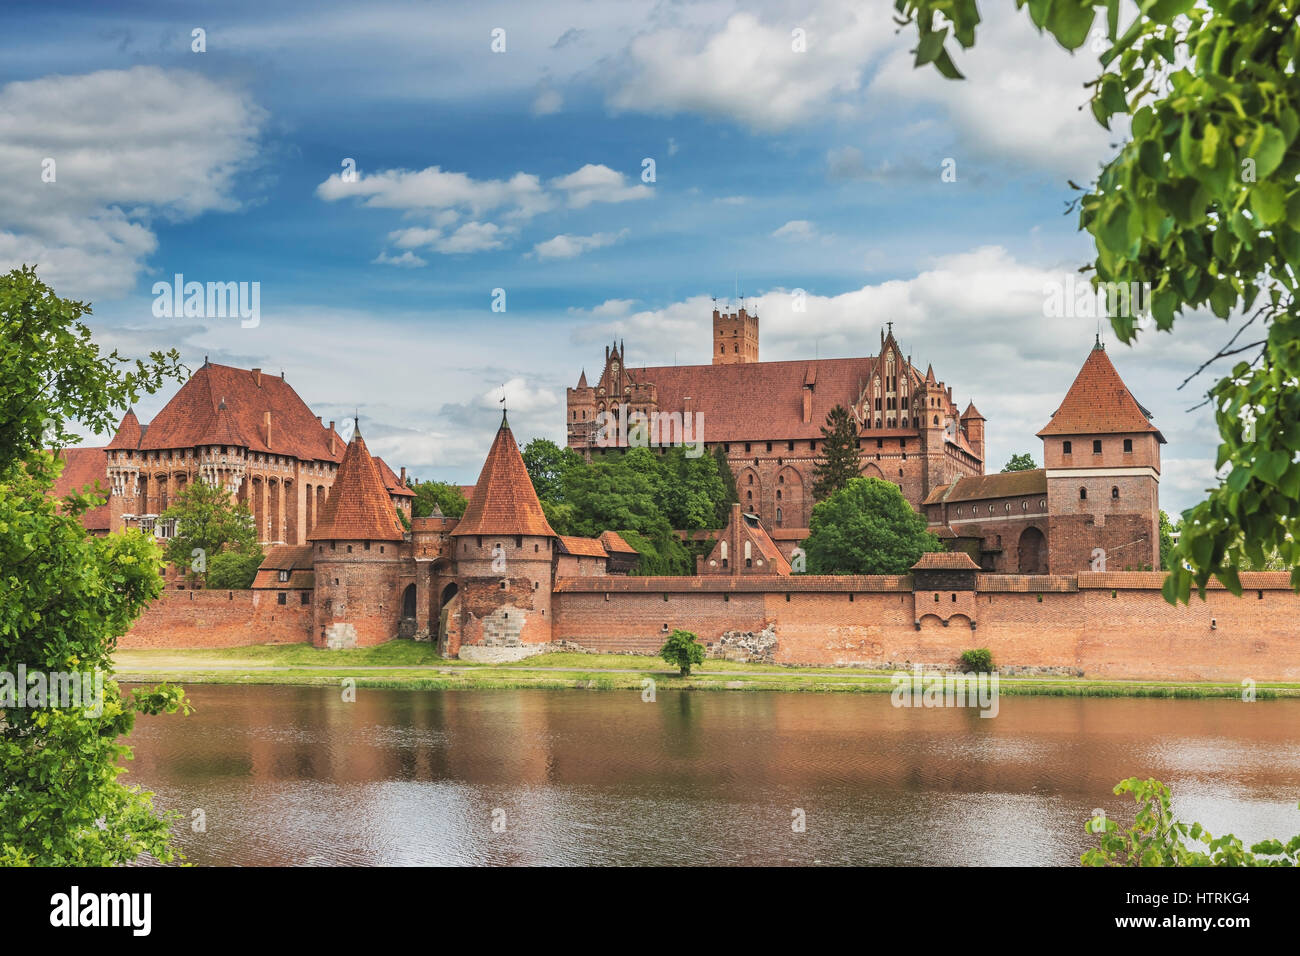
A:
[208,522]
[66,597]
[683,651]
[1202,203]
[232,570]
[1157,839]
[547,464]
[867,527]
[838,463]
[446,497]
[1024,462]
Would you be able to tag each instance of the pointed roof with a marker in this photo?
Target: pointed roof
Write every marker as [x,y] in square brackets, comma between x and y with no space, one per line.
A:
[972,412]
[129,432]
[504,501]
[929,376]
[1099,403]
[358,507]
[224,431]
[582,379]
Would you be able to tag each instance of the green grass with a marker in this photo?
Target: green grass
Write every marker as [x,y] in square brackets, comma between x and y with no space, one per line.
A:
[412,665]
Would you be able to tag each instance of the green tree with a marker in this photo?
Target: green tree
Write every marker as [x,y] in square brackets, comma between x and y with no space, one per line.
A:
[683,651]
[1166,539]
[1023,462]
[447,498]
[1201,203]
[691,490]
[547,464]
[208,522]
[867,527]
[1157,839]
[66,597]
[232,570]
[730,494]
[838,464]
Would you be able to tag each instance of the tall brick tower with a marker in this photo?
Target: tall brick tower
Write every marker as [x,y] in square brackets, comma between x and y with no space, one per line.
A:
[973,422]
[1102,457]
[502,548]
[735,337]
[356,553]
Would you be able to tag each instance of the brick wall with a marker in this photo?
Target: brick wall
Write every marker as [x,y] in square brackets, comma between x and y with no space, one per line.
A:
[221,619]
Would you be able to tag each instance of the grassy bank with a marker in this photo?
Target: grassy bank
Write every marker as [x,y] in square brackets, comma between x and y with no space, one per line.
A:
[407,664]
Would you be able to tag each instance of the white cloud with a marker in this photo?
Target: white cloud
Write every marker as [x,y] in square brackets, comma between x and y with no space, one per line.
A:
[128,146]
[796,230]
[407,260]
[547,102]
[521,196]
[751,70]
[598,183]
[565,246]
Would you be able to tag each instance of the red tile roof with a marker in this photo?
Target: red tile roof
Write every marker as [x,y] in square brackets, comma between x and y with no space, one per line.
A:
[584,547]
[1005,484]
[504,501]
[945,561]
[1098,403]
[358,507]
[725,395]
[613,542]
[192,417]
[775,559]
[81,467]
[392,481]
[287,557]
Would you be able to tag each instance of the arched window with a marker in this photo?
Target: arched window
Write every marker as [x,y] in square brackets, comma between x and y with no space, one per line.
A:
[1114,492]
[1083,494]
[778,515]
[751,480]
[936,419]
[749,496]
[780,480]
[778,494]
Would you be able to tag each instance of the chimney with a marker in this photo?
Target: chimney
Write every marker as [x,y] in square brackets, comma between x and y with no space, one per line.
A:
[333,438]
[403,476]
[266,421]
[257,377]
[807,404]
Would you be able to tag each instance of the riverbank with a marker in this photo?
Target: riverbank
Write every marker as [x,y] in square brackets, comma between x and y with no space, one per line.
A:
[412,665]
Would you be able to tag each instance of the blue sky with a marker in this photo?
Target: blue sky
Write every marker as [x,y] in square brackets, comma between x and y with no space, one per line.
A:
[774,169]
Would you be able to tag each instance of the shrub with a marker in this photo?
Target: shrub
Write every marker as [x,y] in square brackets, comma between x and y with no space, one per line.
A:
[978,661]
[682,650]
[232,570]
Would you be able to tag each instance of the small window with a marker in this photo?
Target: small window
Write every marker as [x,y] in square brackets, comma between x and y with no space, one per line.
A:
[769,446]
[282,598]
[1066,448]
[503,585]
[303,597]
[367,545]
[1128,446]
[284,575]
[746,447]
[750,480]
[349,549]
[789,446]
[1114,492]
[1083,494]
[1096,446]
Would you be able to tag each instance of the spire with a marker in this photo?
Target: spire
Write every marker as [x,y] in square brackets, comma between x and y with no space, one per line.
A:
[582,379]
[128,433]
[1099,403]
[358,507]
[1097,344]
[504,501]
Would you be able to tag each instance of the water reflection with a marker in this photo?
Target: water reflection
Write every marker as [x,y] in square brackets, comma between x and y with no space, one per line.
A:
[294,775]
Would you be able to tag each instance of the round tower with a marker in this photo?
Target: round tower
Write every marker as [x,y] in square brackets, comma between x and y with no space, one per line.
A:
[502,549]
[356,556]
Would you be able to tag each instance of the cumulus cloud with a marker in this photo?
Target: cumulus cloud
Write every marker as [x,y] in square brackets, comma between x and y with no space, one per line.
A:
[123,148]
[796,230]
[598,183]
[407,259]
[565,246]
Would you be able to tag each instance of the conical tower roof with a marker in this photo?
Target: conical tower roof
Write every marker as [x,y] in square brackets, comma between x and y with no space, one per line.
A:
[504,501]
[1099,403]
[129,432]
[358,507]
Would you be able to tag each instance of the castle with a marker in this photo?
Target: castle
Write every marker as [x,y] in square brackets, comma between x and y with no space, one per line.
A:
[1046,565]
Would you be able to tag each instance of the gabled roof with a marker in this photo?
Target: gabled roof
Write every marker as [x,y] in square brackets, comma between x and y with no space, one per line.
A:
[82,467]
[191,417]
[613,542]
[758,534]
[1099,403]
[504,501]
[1006,484]
[945,561]
[287,557]
[582,547]
[391,480]
[358,507]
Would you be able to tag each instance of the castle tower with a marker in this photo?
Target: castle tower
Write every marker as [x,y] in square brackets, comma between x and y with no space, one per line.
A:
[973,422]
[502,548]
[1102,457]
[356,554]
[735,337]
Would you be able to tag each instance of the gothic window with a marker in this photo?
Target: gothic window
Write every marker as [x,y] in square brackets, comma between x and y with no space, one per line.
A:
[1083,494]
[778,515]
[936,419]
[749,480]
[749,496]
[1114,492]
[780,479]
[778,494]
